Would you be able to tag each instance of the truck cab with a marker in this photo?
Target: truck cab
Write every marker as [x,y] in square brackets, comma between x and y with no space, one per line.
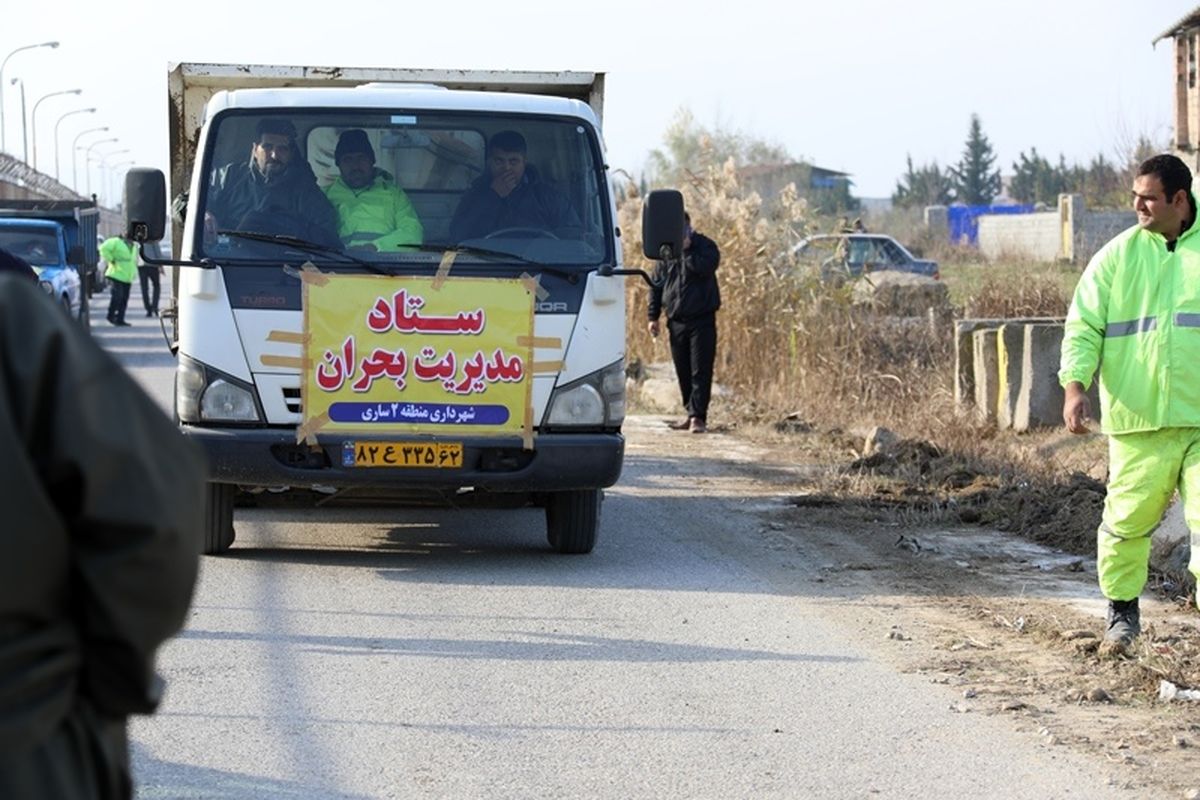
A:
[260,265]
[52,237]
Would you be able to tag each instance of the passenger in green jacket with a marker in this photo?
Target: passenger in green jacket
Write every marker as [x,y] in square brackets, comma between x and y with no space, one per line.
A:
[1135,317]
[373,212]
[99,549]
[120,253]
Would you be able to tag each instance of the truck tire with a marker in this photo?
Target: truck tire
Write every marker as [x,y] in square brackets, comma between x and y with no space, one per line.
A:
[218,517]
[573,520]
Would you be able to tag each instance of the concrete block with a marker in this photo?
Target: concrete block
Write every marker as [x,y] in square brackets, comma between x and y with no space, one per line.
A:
[987,373]
[1010,348]
[1039,398]
[964,353]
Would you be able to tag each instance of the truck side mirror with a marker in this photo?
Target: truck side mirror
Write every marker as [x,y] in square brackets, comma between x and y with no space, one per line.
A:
[662,224]
[75,256]
[145,204]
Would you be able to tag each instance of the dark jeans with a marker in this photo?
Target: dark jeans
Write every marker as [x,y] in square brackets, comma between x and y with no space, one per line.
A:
[148,276]
[117,300]
[693,349]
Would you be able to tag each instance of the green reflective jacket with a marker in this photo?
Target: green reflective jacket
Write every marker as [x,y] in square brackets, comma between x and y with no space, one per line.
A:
[121,259]
[381,214]
[1136,315]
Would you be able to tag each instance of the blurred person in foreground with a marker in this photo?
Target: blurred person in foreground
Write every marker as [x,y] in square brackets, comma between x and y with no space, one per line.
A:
[687,290]
[1136,317]
[102,503]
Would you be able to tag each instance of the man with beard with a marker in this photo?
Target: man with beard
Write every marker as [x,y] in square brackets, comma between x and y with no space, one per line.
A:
[276,183]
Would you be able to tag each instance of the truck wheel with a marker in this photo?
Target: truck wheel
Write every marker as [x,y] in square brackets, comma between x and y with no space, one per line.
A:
[218,517]
[573,519]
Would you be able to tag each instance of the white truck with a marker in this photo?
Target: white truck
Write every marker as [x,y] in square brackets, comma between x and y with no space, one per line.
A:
[478,359]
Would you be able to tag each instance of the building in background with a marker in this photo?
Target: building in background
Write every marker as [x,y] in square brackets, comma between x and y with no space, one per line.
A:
[1186,33]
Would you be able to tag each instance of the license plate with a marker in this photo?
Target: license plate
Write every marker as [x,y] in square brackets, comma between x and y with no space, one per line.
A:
[428,455]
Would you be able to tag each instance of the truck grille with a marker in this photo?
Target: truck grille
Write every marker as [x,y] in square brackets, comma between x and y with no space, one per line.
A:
[291,398]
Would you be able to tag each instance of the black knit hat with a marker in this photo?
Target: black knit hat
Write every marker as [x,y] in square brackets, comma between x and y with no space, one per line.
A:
[353,141]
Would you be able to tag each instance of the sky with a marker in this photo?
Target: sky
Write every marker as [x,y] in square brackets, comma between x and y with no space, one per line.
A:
[852,85]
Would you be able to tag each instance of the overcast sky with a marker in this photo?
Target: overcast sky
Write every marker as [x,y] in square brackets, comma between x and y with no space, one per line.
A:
[853,85]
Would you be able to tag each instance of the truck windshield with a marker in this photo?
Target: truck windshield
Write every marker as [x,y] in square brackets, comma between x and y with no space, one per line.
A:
[403,187]
[36,246]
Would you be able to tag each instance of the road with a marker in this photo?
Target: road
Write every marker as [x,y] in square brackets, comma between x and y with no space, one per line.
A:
[400,653]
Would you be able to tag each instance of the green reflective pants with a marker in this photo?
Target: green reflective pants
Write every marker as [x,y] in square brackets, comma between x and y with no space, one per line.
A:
[1144,470]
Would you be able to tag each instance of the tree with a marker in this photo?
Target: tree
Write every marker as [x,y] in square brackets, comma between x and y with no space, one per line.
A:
[688,147]
[976,182]
[923,186]
[1035,181]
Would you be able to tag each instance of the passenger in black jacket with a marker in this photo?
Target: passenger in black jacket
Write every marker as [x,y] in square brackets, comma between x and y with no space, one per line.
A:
[99,550]
[275,191]
[687,289]
[511,195]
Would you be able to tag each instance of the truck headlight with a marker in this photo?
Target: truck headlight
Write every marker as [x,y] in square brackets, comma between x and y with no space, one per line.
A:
[203,394]
[595,400]
[47,287]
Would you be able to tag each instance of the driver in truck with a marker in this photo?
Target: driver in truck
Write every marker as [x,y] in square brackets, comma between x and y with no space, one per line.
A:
[275,184]
[510,195]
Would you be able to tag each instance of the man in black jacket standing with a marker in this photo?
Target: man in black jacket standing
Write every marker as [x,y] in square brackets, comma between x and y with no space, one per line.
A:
[687,289]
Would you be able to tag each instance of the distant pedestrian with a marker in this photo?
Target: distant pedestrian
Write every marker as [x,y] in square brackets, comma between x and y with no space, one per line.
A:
[150,278]
[103,506]
[1136,317]
[120,253]
[687,290]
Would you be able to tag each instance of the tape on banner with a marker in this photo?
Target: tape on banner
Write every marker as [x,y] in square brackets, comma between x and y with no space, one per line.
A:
[534,285]
[443,270]
[287,337]
[527,429]
[307,433]
[539,341]
[289,362]
[308,273]
[543,367]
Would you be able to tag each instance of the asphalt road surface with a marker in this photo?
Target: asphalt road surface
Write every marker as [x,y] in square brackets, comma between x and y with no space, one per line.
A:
[400,653]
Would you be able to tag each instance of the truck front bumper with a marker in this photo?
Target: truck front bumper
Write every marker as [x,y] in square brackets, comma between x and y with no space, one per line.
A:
[271,457]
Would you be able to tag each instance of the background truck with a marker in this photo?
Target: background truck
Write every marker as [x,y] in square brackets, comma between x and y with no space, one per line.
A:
[58,237]
[249,378]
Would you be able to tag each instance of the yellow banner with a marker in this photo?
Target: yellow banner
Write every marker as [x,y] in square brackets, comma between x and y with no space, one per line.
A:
[388,354]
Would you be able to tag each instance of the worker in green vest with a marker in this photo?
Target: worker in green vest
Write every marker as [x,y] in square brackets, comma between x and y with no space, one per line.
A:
[120,253]
[373,212]
[1135,317]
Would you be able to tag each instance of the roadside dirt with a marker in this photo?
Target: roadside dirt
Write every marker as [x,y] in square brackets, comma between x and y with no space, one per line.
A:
[985,587]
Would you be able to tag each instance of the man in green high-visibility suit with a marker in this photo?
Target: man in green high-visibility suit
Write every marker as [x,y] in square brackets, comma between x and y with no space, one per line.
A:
[1136,316]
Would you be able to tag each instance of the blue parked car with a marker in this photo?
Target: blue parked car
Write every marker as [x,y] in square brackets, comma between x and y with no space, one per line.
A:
[40,244]
[849,255]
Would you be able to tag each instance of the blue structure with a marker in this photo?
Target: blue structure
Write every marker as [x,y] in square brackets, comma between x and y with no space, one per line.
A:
[964,220]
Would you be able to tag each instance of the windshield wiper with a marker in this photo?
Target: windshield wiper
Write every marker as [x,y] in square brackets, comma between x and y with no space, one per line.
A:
[305,245]
[475,250]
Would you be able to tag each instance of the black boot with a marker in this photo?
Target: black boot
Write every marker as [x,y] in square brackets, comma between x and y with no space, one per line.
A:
[1124,622]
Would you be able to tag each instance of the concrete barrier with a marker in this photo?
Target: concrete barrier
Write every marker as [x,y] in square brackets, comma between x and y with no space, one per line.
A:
[1010,349]
[987,373]
[1039,398]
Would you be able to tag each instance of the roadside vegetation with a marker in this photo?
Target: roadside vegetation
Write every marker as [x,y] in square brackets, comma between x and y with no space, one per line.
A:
[798,358]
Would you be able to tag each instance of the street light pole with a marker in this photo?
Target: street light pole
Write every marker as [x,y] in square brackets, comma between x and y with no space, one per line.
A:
[74,160]
[87,161]
[113,185]
[3,140]
[102,160]
[24,132]
[33,116]
[56,124]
